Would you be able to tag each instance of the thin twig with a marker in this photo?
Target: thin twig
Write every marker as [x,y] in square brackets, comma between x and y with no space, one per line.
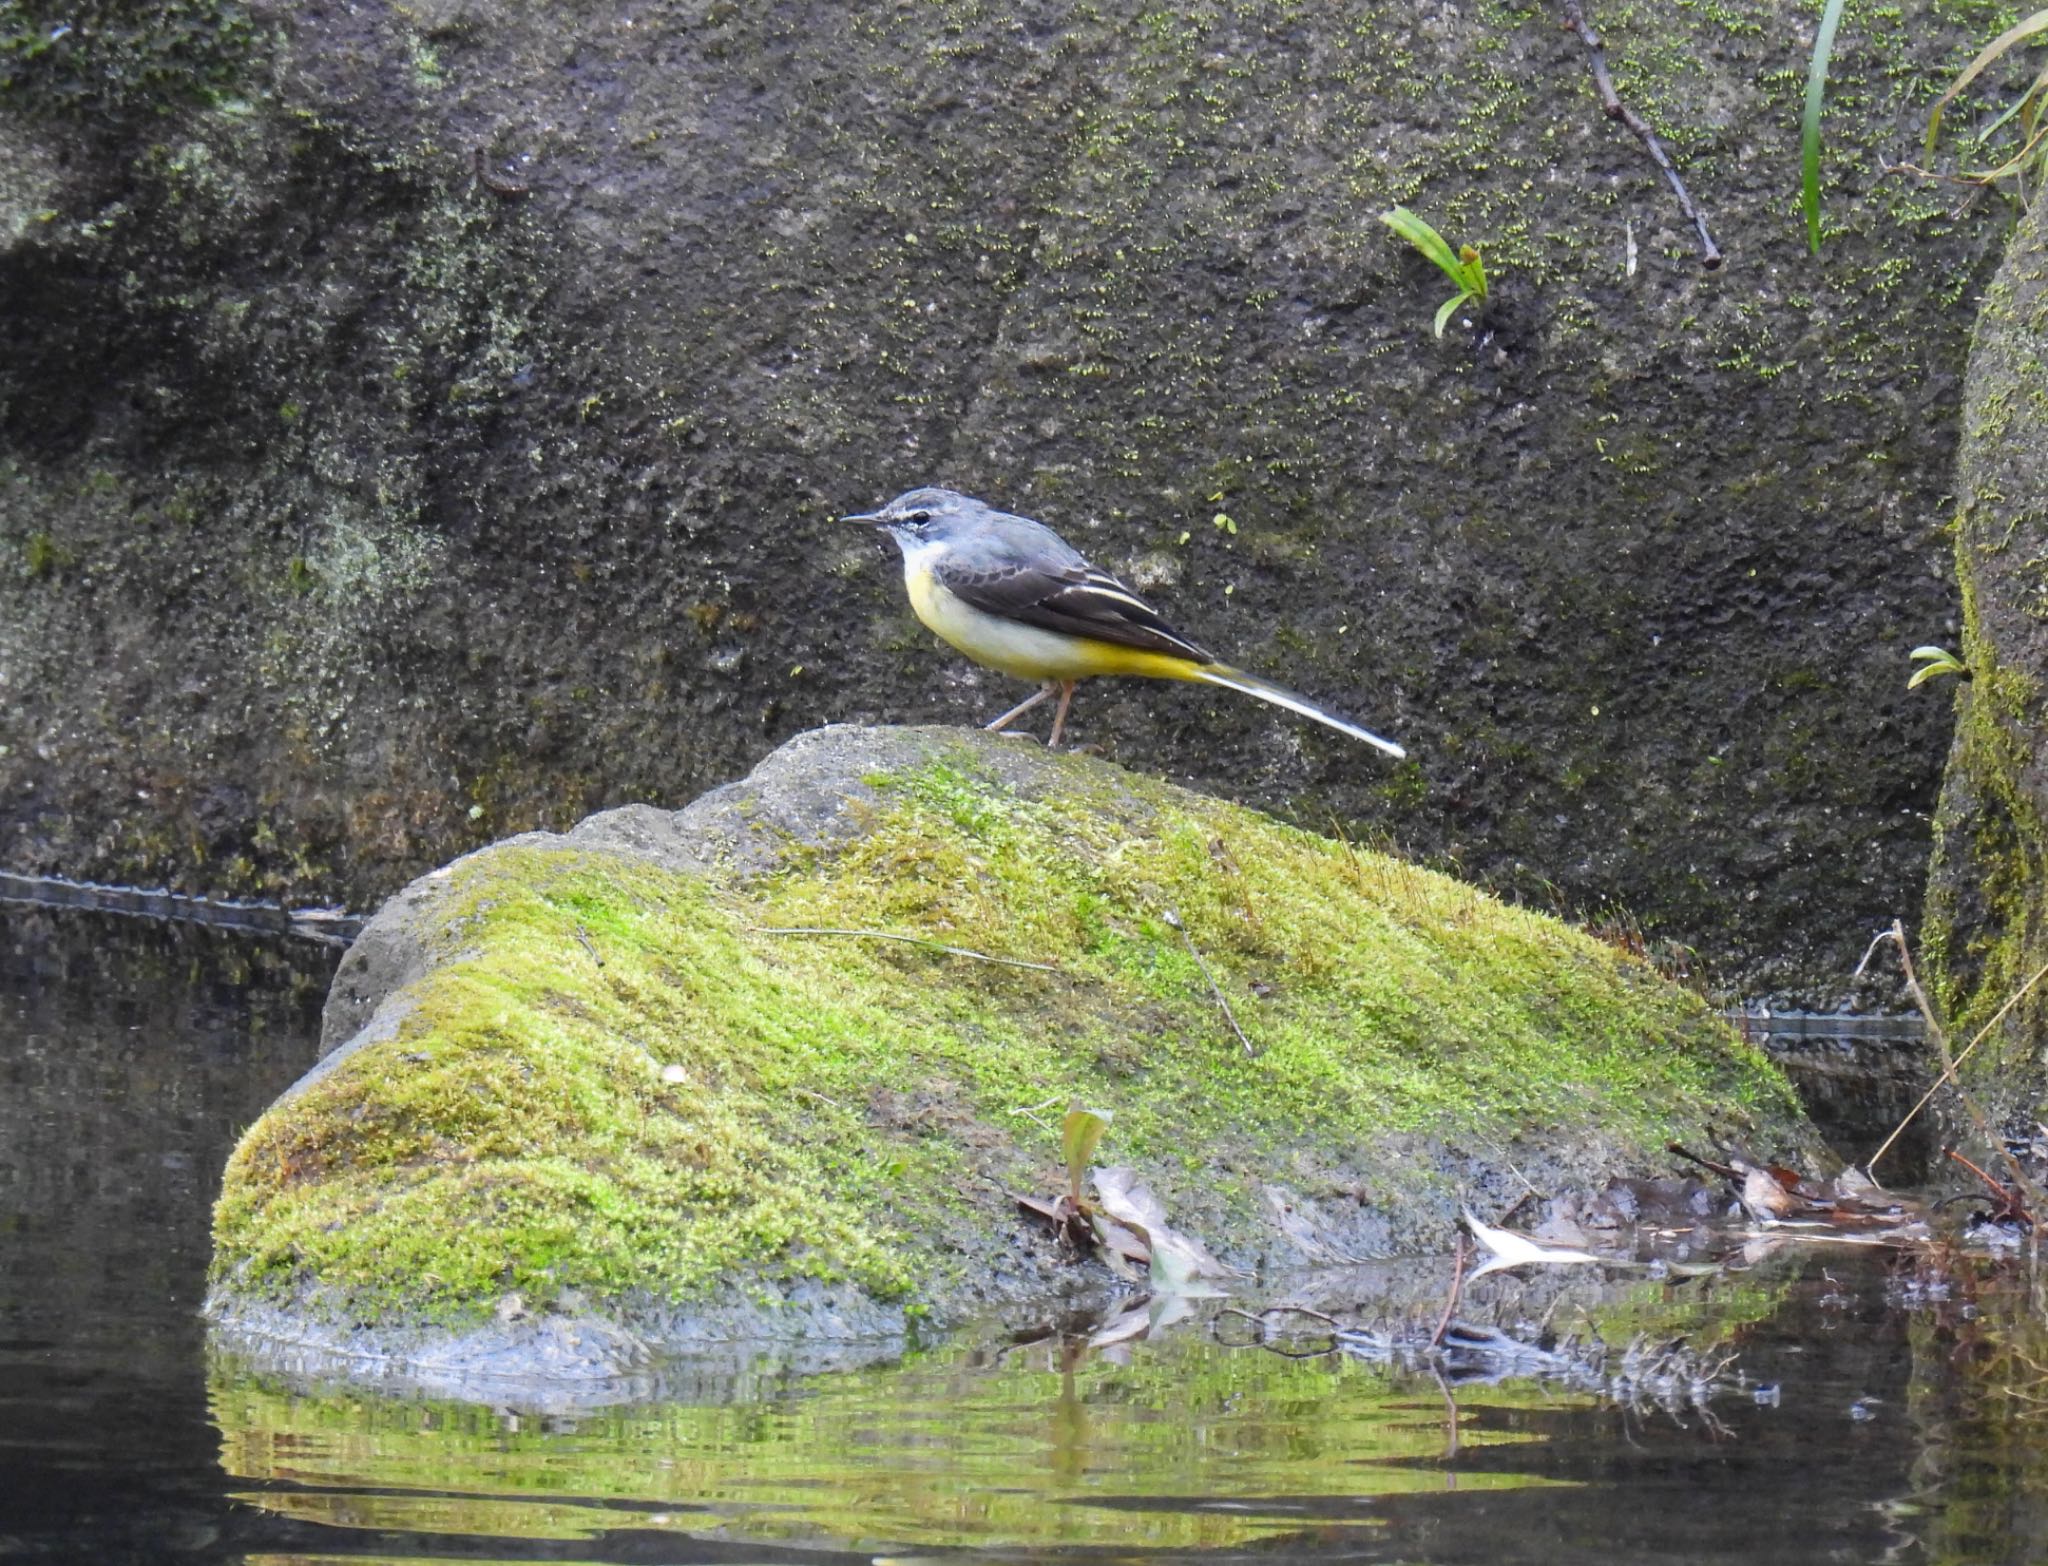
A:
[1898,934]
[1443,1322]
[1030,1112]
[1870,951]
[907,940]
[1725,1171]
[1521,1201]
[2008,1199]
[1215,989]
[1450,1414]
[1265,1338]
[1934,175]
[1610,101]
[1528,1185]
[1950,1068]
[1283,1310]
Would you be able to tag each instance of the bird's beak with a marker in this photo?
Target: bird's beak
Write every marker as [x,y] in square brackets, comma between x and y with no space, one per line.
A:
[874,518]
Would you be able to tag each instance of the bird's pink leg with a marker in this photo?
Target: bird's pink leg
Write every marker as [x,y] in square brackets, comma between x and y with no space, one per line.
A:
[1059,717]
[1023,706]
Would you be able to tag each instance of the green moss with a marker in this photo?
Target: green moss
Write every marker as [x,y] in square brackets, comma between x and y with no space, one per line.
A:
[40,555]
[1995,835]
[623,1080]
[107,57]
[1986,931]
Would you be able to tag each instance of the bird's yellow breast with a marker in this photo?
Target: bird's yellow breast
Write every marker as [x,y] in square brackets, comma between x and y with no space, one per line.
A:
[1028,651]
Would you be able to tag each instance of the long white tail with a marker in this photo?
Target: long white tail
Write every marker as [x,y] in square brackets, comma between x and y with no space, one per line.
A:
[1280,696]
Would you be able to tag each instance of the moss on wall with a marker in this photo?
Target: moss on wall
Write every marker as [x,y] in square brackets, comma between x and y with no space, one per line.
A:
[103,63]
[1987,927]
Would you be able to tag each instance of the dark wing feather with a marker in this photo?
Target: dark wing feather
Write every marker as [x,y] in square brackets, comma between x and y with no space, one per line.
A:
[1077,599]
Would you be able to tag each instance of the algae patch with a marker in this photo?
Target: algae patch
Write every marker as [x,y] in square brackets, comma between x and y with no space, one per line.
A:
[630,1082]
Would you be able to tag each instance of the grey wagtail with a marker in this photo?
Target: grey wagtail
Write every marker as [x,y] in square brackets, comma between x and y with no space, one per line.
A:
[1013,595]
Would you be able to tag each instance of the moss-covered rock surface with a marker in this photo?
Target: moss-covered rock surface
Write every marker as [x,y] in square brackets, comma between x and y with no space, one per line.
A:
[1987,915]
[667,1078]
[421,423]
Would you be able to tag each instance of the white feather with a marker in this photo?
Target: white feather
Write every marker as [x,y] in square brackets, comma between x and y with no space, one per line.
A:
[1281,696]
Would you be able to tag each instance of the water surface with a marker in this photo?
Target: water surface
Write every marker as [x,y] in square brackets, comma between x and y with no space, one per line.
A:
[1888,1407]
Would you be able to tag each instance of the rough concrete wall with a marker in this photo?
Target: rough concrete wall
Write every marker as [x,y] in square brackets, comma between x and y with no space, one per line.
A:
[1987,927]
[355,510]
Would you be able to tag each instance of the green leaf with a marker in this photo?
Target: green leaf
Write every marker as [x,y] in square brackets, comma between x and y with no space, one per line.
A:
[1427,240]
[1081,1133]
[1935,663]
[1809,122]
[1450,308]
[2036,23]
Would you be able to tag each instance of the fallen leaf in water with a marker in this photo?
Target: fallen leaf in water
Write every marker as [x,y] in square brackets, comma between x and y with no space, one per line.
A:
[1765,1197]
[1177,1259]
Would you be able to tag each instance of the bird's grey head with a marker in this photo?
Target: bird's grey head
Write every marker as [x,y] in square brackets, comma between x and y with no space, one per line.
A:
[922,516]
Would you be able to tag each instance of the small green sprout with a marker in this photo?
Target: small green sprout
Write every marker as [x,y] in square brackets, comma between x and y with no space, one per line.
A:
[1462,266]
[1935,662]
[1081,1133]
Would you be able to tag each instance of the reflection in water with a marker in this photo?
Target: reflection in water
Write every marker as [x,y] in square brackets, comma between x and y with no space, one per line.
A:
[1858,1078]
[1978,1401]
[1901,1413]
[131,1054]
[1176,1444]
[1186,1446]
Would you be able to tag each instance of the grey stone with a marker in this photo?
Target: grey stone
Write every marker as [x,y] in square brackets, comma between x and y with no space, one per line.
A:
[356,509]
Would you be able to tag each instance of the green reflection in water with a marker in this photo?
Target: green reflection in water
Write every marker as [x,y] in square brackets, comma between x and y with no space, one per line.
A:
[946,1448]
[1979,1402]
[1188,1445]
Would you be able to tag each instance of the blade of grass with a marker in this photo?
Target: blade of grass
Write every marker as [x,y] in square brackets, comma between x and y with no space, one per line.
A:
[2018,163]
[1809,122]
[2026,106]
[2030,106]
[2036,23]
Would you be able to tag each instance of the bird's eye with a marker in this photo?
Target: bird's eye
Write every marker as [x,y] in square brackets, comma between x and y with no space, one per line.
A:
[917,518]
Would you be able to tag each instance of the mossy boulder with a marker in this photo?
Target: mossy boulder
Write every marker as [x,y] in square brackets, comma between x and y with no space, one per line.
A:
[674,1077]
[1987,913]
[422,423]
